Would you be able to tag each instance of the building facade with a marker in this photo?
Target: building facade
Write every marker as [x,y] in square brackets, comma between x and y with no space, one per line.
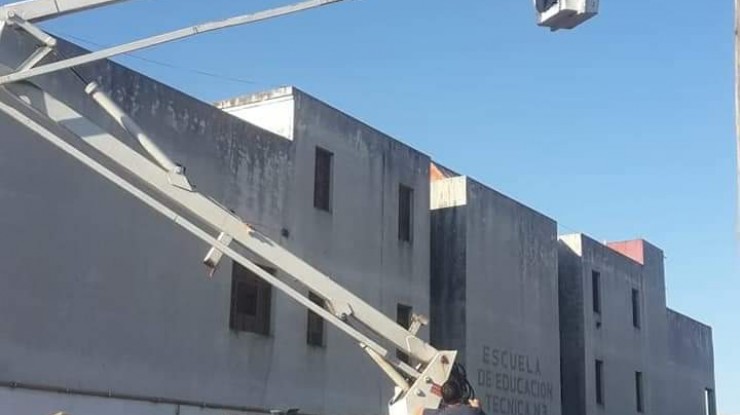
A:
[107,308]
[368,229]
[495,295]
[690,366]
[113,311]
[621,346]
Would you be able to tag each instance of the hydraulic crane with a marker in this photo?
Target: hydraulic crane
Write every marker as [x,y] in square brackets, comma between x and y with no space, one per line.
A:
[148,174]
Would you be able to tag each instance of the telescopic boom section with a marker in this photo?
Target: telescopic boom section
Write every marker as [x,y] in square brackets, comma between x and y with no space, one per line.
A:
[29,72]
[38,10]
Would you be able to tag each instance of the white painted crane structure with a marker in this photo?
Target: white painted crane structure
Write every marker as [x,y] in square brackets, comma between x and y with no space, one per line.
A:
[148,174]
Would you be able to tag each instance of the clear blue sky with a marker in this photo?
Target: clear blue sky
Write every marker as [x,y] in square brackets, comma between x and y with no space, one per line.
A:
[620,129]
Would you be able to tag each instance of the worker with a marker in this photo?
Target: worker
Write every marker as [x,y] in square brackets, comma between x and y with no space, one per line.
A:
[452,402]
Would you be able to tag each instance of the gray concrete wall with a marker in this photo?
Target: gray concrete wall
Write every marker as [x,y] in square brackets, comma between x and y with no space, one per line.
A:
[139,316]
[690,364]
[571,314]
[357,242]
[672,352]
[449,265]
[511,351]
[512,301]
[448,284]
[105,294]
[611,337]
[655,311]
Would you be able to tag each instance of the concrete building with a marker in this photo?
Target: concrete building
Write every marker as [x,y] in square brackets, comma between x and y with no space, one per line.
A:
[108,309]
[495,294]
[372,235]
[690,366]
[623,351]
[112,309]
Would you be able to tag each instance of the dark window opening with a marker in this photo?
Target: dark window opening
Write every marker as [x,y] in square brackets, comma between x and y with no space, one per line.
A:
[405,213]
[596,291]
[315,328]
[639,392]
[599,383]
[403,318]
[636,308]
[322,184]
[251,301]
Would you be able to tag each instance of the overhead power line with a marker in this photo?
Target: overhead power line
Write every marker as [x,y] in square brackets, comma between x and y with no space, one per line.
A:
[165,64]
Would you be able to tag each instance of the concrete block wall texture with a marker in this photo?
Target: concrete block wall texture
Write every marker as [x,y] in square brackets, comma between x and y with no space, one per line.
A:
[610,335]
[495,295]
[138,315]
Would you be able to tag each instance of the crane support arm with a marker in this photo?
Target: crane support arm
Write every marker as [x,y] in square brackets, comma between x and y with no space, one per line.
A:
[161,39]
[38,10]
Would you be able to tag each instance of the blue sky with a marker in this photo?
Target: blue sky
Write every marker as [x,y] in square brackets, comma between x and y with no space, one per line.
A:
[622,128]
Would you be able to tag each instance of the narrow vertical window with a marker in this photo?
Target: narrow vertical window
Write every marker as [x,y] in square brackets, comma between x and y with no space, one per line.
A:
[315,326]
[639,392]
[322,183]
[599,382]
[251,301]
[710,406]
[405,212]
[636,308]
[403,318]
[596,291]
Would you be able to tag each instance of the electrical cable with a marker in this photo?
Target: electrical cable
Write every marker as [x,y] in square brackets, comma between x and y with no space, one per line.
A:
[164,64]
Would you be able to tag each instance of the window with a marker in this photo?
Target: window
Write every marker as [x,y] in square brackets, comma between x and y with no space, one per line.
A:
[322,182]
[636,308]
[251,299]
[315,327]
[599,383]
[405,212]
[596,291]
[403,318]
[710,406]
[639,392]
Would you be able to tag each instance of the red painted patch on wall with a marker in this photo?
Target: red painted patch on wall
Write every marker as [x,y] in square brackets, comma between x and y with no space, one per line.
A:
[634,250]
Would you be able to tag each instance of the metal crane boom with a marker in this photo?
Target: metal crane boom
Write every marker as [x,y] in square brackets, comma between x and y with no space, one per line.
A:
[38,10]
[148,42]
